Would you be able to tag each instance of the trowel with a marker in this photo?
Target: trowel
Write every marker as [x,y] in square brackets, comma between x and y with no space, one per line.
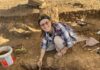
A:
[91,42]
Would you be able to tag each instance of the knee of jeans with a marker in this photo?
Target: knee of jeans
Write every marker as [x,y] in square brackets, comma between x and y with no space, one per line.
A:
[58,40]
[59,43]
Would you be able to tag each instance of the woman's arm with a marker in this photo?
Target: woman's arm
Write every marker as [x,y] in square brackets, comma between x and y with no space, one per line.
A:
[41,57]
[43,49]
[42,54]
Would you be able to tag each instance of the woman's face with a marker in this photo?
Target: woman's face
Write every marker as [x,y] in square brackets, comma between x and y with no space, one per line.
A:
[45,25]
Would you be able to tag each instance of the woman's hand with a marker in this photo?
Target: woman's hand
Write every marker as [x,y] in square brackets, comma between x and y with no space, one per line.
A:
[58,55]
[61,53]
[41,57]
[39,63]
[64,50]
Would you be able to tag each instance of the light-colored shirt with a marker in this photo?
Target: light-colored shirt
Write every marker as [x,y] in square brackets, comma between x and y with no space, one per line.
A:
[62,30]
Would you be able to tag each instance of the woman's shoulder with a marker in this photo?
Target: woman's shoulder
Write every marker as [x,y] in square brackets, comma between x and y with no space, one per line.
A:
[57,24]
[62,25]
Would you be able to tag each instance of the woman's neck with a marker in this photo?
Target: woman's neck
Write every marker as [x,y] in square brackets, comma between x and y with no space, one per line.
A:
[51,31]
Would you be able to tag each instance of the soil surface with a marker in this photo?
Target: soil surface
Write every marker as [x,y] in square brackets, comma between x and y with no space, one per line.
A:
[23,35]
[26,49]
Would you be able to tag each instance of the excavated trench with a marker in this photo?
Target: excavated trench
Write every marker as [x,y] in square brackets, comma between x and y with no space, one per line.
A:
[86,30]
[92,18]
[71,16]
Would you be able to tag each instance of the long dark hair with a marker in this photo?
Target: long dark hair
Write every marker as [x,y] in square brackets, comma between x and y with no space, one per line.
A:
[44,16]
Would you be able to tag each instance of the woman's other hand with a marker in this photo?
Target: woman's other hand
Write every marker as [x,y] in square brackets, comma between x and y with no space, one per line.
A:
[39,63]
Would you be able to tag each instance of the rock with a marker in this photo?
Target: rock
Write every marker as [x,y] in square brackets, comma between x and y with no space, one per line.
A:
[81,22]
[3,40]
[74,24]
[98,33]
[98,51]
[32,29]
[55,15]
[19,30]
[89,49]
[91,42]
[53,12]
[43,5]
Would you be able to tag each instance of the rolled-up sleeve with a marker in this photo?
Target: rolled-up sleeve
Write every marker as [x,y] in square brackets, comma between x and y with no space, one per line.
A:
[43,43]
[66,36]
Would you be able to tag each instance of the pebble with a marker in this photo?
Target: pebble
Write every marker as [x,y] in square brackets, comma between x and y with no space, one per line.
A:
[74,24]
[98,32]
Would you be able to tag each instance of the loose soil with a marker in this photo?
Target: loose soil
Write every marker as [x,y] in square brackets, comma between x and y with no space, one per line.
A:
[26,50]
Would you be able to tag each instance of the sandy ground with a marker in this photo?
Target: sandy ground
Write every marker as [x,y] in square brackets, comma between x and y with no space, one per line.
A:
[77,58]
[7,4]
[24,38]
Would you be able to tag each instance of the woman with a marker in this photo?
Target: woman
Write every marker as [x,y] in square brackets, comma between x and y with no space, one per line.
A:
[55,36]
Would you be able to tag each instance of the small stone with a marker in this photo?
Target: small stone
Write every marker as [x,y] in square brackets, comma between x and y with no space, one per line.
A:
[43,5]
[95,49]
[27,38]
[89,49]
[74,24]
[98,32]
[81,22]
[98,51]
